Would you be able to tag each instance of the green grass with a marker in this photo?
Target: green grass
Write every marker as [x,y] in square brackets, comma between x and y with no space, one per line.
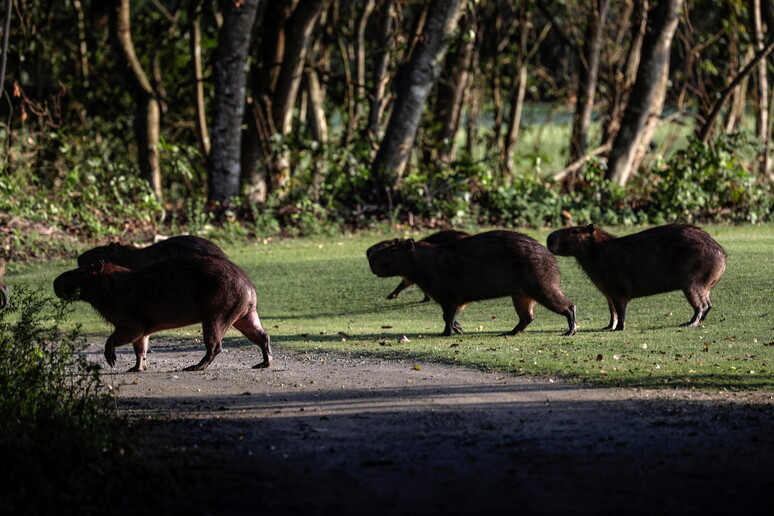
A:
[319,294]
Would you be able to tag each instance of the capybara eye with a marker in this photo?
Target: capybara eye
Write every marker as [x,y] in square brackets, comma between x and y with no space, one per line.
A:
[576,231]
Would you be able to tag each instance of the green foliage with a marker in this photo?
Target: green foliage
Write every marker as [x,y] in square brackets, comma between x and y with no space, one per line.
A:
[56,417]
[704,182]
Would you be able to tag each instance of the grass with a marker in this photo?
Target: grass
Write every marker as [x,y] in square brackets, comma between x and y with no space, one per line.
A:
[319,294]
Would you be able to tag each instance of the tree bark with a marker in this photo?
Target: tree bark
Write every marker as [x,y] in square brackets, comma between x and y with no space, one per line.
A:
[587,78]
[647,92]
[229,101]
[148,118]
[413,86]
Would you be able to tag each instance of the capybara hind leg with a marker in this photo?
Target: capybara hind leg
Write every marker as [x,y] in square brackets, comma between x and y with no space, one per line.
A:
[120,337]
[571,321]
[696,299]
[555,301]
[250,326]
[450,319]
[213,335]
[140,352]
[524,308]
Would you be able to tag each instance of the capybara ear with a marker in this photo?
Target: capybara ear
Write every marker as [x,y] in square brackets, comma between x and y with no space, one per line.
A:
[99,266]
[589,228]
[409,244]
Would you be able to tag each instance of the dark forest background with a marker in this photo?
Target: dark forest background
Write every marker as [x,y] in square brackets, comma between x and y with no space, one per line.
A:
[125,117]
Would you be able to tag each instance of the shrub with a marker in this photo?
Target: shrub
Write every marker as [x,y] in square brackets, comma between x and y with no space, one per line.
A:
[56,418]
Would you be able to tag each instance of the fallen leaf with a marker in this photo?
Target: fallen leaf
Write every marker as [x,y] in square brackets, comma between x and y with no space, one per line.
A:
[706,347]
[386,327]
[417,368]
[668,315]
[403,339]
[599,357]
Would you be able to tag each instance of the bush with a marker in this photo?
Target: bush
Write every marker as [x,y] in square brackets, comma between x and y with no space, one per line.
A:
[56,417]
[711,183]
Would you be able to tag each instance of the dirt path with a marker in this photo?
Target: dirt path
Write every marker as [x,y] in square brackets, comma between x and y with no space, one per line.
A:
[325,434]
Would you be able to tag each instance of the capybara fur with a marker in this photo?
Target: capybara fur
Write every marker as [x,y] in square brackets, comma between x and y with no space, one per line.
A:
[134,258]
[169,294]
[657,260]
[446,236]
[3,287]
[484,266]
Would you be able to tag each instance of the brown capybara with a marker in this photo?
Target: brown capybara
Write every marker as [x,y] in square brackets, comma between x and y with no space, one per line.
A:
[134,258]
[3,287]
[169,294]
[446,236]
[484,266]
[657,260]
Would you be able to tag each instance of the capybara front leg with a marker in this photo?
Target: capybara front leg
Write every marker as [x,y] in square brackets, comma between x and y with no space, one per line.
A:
[250,326]
[119,337]
[140,352]
[450,319]
[524,309]
[400,288]
[571,321]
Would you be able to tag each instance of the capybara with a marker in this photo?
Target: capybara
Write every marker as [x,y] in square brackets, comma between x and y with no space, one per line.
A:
[440,238]
[165,295]
[3,288]
[657,260]
[134,258]
[484,266]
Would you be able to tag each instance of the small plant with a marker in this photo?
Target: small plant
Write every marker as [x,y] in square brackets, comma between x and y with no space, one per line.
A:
[56,418]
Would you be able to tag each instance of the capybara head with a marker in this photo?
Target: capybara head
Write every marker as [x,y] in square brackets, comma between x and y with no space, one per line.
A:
[575,240]
[391,257]
[105,253]
[3,288]
[68,284]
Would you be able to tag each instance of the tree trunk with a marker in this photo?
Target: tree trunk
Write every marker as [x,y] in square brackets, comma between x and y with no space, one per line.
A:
[519,91]
[413,86]
[704,132]
[451,93]
[229,101]
[298,33]
[148,118]
[646,92]
[202,134]
[622,88]
[360,51]
[384,37]
[587,78]
[762,102]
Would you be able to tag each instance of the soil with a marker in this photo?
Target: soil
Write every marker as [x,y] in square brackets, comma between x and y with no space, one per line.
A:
[322,433]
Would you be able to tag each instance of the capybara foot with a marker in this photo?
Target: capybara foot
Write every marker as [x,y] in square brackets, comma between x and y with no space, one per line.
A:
[457,328]
[135,369]
[197,367]
[392,296]
[510,333]
[689,324]
[570,332]
[426,299]
[263,365]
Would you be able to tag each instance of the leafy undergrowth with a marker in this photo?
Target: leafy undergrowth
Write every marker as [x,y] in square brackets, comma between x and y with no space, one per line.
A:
[318,293]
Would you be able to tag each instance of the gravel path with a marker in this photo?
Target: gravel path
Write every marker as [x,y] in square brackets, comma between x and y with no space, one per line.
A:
[320,433]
